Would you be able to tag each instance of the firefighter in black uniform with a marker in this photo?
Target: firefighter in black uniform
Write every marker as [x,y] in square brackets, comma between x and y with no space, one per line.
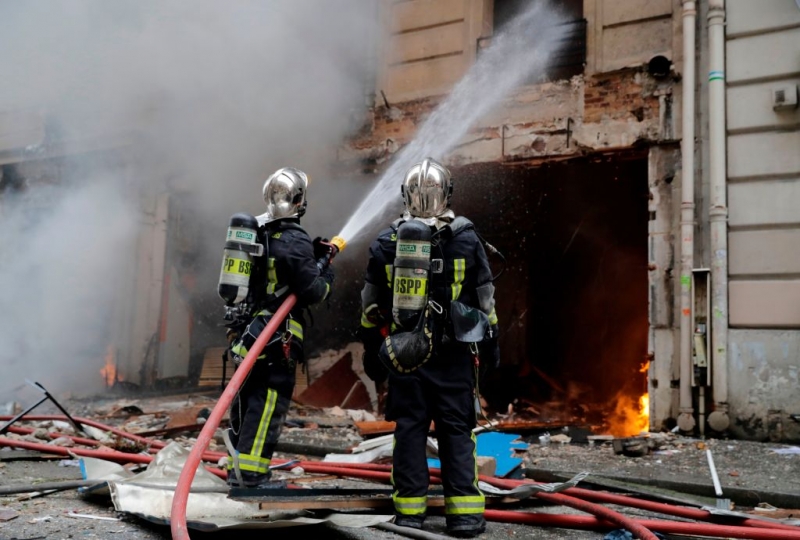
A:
[434,378]
[288,265]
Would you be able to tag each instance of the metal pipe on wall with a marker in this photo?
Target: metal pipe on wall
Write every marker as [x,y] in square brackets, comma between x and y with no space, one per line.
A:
[686,420]
[718,420]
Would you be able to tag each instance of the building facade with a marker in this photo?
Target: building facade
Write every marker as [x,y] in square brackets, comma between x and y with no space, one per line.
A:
[645,194]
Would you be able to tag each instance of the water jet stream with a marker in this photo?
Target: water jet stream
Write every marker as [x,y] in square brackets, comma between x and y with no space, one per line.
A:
[521,51]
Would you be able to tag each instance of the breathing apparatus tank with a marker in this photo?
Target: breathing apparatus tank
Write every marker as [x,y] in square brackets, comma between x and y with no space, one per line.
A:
[241,245]
[411,273]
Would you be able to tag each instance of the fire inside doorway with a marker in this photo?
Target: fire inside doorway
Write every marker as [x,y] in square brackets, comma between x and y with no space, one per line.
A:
[573,300]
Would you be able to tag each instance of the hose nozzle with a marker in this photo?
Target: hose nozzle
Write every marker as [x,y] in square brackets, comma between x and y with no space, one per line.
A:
[334,247]
[338,242]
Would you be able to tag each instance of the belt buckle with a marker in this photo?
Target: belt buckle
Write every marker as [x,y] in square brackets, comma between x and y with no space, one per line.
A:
[437,266]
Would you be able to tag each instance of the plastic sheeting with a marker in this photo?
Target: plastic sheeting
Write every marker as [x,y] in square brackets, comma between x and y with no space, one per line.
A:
[148,495]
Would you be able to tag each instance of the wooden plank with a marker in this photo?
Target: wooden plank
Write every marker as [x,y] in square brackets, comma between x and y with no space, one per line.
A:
[344,504]
[211,372]
[378,427]
[365,502]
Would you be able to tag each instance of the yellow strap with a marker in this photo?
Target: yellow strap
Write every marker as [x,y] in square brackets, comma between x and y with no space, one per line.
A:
[459,267]
[389,275]
[272,277]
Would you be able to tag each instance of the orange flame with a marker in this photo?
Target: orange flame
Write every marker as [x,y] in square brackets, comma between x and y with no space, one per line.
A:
[631,416]
[109,371]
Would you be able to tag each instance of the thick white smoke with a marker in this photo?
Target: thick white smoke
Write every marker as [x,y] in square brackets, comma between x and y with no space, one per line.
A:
[205,99]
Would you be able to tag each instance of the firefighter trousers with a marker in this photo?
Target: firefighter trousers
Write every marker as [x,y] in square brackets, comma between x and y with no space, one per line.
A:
[259,410]
[441,390]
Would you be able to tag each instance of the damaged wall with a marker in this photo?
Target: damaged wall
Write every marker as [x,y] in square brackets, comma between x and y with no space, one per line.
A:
[615,105]
[605,112]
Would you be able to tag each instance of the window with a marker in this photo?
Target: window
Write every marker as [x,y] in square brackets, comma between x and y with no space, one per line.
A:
[571,58]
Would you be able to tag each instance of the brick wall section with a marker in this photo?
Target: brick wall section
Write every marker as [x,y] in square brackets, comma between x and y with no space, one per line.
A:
[624,101]
[617,95]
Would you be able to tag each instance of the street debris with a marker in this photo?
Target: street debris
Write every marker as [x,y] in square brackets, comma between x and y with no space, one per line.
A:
[7,514]
[786,451]
[131,452]
[89,516]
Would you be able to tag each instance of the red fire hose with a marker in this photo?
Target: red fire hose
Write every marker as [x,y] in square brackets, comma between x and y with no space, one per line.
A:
[181,497]
[94,423]
[110,455]
[152,445]
[668,527]
[632,502]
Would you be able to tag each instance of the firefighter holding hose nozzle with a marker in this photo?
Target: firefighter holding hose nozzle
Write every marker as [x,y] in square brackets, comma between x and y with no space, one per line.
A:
[428,323]
[266,259]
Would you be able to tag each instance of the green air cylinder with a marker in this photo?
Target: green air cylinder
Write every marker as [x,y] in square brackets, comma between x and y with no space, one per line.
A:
[241,245]
[412,265]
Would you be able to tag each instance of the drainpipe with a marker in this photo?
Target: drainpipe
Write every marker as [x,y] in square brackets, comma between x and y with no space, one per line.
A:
[686,420]
[718,420]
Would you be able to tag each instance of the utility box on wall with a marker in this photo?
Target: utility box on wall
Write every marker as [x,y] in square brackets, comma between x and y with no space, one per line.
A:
[701,327]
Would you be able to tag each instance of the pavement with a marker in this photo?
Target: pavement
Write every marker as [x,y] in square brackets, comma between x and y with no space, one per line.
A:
[676,468]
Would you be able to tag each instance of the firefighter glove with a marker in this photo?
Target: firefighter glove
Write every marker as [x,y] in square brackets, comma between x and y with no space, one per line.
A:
[373,315]
[373,367]
[320,248]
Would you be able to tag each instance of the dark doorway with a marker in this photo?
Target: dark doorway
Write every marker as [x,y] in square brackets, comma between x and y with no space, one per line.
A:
[572,300]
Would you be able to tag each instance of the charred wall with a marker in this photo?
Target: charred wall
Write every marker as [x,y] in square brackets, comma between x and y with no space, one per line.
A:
[572,301]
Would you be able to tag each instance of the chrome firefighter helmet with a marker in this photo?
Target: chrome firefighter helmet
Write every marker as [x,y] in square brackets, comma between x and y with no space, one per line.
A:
[427,188]
[285,193]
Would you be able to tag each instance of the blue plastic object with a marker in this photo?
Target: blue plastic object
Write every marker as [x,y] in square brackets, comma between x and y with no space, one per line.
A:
[500,446]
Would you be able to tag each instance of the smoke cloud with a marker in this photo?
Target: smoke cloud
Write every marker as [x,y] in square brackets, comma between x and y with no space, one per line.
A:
[198,98]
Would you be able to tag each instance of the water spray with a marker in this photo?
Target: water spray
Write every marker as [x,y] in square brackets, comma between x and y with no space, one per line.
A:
[523,50]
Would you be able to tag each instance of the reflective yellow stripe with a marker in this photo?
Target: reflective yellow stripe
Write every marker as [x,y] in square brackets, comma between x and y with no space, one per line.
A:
[327,290]
[470,504]
[365,322]
[263,425]
[459,266]
[409,506]
[391,473]
[389,275]
[241,350]
[272,277]
[251,463]
[474,440]
[493,317]
[296,329]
